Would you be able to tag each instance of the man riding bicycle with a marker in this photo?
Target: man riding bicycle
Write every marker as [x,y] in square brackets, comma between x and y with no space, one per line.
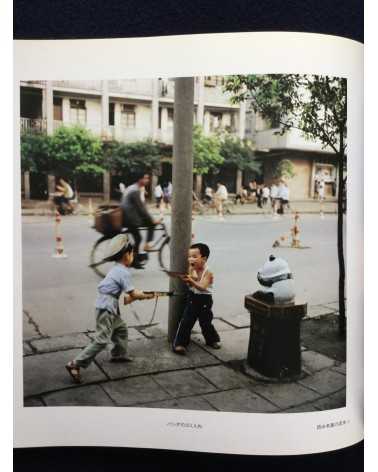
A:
[135,214]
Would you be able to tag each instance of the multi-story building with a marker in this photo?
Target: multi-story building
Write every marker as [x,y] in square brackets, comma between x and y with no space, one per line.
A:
[126,110]
[135,109]
[311,161]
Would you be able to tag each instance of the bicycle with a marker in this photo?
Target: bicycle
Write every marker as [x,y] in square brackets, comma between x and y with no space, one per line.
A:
[99,250]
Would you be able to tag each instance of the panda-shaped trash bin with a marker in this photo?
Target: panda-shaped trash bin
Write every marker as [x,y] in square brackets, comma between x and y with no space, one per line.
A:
[276,280]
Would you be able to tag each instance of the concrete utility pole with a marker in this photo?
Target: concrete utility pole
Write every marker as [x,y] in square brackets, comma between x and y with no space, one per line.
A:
[182,183]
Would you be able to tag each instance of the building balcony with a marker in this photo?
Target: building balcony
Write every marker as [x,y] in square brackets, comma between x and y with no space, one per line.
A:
[270,139]
[32,125]
[138,87]
[82,85]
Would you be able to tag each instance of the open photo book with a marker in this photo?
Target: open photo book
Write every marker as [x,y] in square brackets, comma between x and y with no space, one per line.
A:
[189,243]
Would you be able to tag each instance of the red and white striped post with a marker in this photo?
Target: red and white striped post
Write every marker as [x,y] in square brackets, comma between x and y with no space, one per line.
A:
[59,247]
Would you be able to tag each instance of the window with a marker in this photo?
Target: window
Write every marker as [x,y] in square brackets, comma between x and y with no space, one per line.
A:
[78,112]
[111,114]
[168,117]
[58,110]
[214,80]
[210,81]
[128,116]
[215,121]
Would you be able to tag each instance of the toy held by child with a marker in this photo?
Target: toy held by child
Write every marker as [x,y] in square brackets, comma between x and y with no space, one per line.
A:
[109,325]
[199,303]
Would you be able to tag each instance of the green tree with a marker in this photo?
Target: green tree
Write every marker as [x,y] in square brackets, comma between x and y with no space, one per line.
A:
[35,153]
[139,156]
[239,153]
[206,152]
[313,104]
[284,170]
[75,150]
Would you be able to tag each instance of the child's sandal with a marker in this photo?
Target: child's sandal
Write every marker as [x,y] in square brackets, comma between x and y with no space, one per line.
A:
[74,372]
[179,350]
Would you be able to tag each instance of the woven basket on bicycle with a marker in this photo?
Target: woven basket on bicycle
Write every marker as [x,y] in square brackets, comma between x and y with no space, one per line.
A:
[108,219]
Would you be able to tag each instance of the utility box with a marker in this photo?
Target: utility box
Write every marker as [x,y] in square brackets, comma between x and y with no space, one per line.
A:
[274,349]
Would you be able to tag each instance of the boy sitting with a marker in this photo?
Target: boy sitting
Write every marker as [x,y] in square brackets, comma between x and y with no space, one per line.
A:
[109,325]
[200,282]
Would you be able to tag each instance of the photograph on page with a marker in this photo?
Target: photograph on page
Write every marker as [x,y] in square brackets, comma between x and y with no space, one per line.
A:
[224,294]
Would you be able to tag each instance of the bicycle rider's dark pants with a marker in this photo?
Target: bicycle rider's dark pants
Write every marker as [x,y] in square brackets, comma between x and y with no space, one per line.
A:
[134,230]
[198,306]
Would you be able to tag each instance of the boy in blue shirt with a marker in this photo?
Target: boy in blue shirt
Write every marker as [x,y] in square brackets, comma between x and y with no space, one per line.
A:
[109,325]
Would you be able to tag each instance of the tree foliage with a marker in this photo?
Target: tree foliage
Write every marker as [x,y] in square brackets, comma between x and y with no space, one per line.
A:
[123,158]
[35,152]
[206,152]
[314,104]
[284,170]
[75,150]
[239,153]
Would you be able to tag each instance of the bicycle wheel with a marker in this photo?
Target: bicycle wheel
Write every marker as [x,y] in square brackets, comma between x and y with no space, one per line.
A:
[99,251]
[164,255]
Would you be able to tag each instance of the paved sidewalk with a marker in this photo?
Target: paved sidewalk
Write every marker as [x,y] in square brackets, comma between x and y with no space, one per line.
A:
[40,207]
[205,379]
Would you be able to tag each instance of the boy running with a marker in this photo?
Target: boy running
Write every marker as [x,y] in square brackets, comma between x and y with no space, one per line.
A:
[109,325]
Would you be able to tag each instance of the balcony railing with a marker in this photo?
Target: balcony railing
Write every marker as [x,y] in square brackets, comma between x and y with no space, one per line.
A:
[293,139]
[32,125]
[130,86]
[85,85]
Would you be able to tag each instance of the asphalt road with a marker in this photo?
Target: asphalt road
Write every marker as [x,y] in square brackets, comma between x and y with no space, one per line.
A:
[59,294]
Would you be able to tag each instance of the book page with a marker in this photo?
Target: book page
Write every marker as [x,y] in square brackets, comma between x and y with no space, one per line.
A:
[254,348]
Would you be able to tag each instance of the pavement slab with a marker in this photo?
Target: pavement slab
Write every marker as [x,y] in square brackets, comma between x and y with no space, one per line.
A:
[60,343]
[188,403]
[46,372]
[154,332]
[221,325]
[28,328]
[325,382]
[240,400]
[242,320]
[27,350]
[336,400]
[319,310]
[184,383]
[152,356]
[285,395]
[234,345]
[306,408]
[333,306]
[223,377]
[322,335]
[340,368]
[33,402]
[134,391]
[314,362]
[90,395]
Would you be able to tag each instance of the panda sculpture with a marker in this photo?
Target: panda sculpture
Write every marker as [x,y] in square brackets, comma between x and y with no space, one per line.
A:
[276,280]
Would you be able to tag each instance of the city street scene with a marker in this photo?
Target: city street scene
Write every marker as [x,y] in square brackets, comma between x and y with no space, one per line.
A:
[183,243]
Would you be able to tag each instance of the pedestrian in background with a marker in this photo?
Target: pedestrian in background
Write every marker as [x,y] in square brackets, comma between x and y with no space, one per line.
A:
[274,198]
[265,195]
[259,196]
[220,197]
[158,194]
